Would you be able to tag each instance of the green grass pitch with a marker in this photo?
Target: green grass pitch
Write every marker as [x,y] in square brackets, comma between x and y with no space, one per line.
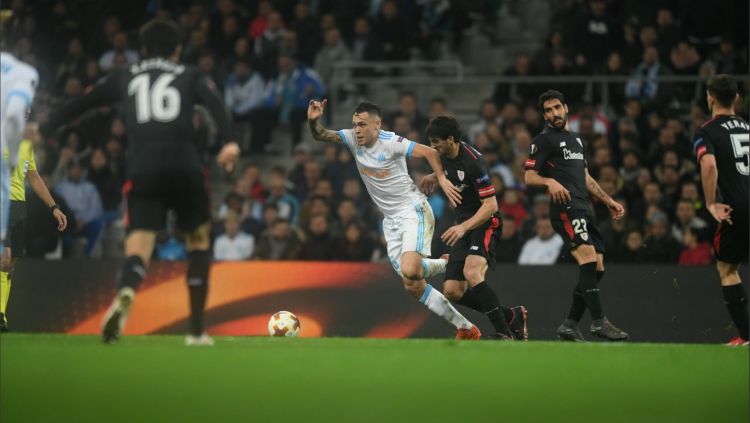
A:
[58,378]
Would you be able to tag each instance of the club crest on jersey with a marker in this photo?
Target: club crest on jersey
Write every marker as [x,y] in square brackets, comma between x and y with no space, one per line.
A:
[585,236]
[579,142]
[532,149]
[381,157]
[460,174]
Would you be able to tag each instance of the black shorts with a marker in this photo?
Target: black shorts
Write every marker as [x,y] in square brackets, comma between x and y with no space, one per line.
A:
[480,241]
[17,228]
[577,227]
[149,197]
[731,241]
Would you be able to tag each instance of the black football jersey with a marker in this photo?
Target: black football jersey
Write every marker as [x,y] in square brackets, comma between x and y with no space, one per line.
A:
[158,100]
[468,171]
[728,139]
[559,155]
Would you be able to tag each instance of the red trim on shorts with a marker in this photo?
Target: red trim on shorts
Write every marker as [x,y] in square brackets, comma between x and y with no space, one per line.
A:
[470,152]
[494,224]
[717,239]
[126,188]
[566,222]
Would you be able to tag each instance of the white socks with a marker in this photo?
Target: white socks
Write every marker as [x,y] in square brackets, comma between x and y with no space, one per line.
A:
[432,267]
[438,304]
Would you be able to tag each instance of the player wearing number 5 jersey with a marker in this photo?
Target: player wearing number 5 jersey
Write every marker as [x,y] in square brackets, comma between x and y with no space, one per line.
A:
[164,166]
[721,147]
[556,162]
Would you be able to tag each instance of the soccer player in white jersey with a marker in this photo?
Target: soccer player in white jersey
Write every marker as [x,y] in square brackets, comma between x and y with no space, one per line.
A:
[408,224]
[17,85]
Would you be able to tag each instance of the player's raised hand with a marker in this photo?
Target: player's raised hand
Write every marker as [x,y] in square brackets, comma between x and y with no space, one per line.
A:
[721,212]
[559,194]
[450,190]
[62,220]
[453,234]
[228,156]
[315,109]
[616,210]
[427,184]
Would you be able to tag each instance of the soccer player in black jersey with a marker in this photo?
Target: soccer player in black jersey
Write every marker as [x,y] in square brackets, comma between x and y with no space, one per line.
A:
[164,166]
[556,162]
[721,147]
[474,238]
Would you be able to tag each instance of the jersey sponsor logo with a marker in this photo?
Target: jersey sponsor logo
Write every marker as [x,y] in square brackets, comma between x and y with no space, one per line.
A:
[474,248]
[375,173]
[579,142]
[562,144]
[460,174]
[569,155]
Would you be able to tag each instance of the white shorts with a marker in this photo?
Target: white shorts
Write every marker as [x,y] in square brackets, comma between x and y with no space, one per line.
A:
[409,231]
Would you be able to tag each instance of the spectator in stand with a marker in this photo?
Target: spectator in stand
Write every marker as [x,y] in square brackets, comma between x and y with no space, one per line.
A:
[523,90]
[365,47]
[407,108]
[312,174]
[632,250]
[661,247]
[544,248]
[83,198]
[354,245]
[487,115]
[644,86]
[513,208]
[509,246]
[393,32]
[107,183]
[539,211]
[287,203]
[258,25]
[244,95]
[119,46]
[73,63]
[168,247]
[696,252]
[346,213]
[727,60]
[597,34]
[685,219]
[668,31]
[438,106]
[308,34]
[268,45]
[251,176]
[233,244]
[291,91]
[320,243]
[333,51]
[279,242]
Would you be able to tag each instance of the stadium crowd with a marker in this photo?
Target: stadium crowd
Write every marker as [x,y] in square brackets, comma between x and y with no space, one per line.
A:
[270,58]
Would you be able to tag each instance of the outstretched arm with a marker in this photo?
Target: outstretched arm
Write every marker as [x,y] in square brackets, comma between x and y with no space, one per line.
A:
[320,133]
[433,158]
[615,208]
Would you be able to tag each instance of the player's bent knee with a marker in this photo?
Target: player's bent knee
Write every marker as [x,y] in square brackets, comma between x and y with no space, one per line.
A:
[414,287]
[453,291]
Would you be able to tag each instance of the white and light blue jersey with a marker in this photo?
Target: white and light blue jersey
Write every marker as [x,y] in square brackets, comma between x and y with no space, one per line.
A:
[18,82]
[383,169]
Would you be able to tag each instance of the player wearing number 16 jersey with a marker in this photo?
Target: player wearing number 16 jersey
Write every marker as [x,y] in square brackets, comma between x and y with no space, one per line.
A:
[721,147]
[556,162]
[164,166]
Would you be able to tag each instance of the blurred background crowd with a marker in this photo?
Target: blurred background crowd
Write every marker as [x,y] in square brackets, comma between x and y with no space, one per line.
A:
[269,58]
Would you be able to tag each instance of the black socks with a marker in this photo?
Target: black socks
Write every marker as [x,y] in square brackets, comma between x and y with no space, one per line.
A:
[199,264]
[736,301]
[578,306]
[491,307]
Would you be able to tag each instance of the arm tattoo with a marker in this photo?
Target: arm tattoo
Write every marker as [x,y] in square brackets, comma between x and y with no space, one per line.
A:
[596,190]
[322,134]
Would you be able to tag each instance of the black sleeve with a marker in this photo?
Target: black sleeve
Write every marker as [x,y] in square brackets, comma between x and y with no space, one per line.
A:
[479,177]
[208,95]
[702,144]
[539,153]
[106,92]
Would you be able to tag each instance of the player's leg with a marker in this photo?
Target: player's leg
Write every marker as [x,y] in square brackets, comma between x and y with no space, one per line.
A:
[735,297]
[475,269]
[194,218]
[430,267]
[578,305]
[145,215]
[408,242]
[5,268]
[199,266]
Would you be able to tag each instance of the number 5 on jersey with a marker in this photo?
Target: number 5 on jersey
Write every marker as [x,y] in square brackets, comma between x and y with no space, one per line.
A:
[159,102]
[741,147]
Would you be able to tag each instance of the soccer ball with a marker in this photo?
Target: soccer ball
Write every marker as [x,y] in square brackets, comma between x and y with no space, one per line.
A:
[283,323]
